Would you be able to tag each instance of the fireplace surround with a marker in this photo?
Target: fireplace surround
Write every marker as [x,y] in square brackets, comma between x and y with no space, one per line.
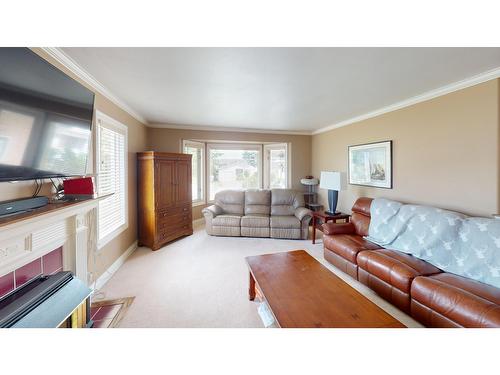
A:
[31,238]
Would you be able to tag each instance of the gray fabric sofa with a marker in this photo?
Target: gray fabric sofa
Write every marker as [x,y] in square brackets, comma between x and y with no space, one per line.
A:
[276,213]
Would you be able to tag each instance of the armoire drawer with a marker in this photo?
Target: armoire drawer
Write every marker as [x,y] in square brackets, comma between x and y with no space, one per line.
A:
[174,220]
[170,230]
[166,212]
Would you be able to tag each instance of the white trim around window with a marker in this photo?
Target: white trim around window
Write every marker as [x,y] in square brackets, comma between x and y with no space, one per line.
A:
[112,212]
[267,164]
[198,169]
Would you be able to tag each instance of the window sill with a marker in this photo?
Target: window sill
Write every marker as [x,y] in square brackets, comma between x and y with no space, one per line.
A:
[103,242]
[199,203]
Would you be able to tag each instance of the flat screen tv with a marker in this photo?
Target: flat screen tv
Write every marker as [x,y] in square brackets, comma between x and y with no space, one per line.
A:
[45,119]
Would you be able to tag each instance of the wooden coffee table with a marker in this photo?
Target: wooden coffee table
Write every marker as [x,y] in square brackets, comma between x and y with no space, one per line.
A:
[302,293]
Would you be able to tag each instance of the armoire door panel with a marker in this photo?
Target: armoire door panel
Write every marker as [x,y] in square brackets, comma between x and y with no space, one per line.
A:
[183,182]
[164,183]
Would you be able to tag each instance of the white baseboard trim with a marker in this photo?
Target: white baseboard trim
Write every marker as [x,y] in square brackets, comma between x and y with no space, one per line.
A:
[108,274]
[198,221]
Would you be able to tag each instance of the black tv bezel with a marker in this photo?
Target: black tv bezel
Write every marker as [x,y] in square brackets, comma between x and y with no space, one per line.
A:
[60,175]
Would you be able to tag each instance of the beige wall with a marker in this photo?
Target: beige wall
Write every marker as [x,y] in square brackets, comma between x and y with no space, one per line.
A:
[445,152]
[170,140]
[136,142]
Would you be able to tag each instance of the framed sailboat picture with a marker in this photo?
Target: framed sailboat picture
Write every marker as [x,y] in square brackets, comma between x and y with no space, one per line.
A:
[370,164]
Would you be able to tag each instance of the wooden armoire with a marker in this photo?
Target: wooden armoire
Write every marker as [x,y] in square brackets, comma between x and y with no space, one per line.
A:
[163,197]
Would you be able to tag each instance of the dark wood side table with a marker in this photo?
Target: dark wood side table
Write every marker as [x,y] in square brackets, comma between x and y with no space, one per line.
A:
[321,217]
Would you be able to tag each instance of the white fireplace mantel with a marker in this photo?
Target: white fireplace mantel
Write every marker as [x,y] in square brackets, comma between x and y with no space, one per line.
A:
[73,226]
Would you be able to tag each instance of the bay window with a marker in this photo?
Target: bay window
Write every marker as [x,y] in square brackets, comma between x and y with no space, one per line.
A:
[220,166]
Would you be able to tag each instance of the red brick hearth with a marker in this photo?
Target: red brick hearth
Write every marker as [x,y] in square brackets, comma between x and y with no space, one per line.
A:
[48,264]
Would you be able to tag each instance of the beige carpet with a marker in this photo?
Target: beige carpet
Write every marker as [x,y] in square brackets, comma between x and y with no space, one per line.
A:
[202,281]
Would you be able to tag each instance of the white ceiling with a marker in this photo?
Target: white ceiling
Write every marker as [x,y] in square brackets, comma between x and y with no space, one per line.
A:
[287,89]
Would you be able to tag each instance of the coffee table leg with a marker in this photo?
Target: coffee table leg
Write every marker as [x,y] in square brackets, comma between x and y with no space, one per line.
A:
[314,230]
[251,288]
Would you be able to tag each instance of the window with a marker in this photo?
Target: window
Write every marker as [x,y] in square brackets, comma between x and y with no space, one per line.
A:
[233,166]
[276,166]
[111,178]
[219,166]
[197,149]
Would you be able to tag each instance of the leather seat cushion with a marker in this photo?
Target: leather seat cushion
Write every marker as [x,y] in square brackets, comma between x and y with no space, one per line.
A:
[466,302]
[344,265]
[257,202]
[227,220]
[285,222]
[363,206]
[232,202]
[361,215]
[361,223]
[395,268]
[255,221]
[285,201]
[348,245]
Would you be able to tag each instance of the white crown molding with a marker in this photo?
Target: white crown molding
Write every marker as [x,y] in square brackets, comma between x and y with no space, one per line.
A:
[226,129]
[70,64]
[468,82]
[81,73]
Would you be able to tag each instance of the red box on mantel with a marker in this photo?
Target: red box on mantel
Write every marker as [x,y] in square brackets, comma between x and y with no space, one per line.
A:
[79,188]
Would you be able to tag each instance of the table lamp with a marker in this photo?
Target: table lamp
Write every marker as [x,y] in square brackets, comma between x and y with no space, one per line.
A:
[333,182]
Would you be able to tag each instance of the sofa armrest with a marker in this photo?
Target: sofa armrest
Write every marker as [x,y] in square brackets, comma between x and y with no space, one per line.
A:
[302,212]
[212,211]
[338,228]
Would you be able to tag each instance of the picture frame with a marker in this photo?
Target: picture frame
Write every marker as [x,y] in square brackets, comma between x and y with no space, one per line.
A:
[370,164]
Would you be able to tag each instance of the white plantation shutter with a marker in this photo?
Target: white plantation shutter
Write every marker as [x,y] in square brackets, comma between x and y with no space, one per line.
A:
[111,178]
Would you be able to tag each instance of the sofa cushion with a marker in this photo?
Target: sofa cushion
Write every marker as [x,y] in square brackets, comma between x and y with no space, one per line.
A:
[285,222]
[395,268]
[466,302]
[361,215]
[255,232]
[338,228]
[257,202]
[361,223]
[232,202]
[362,206]
[255,221]
[348,246]
[341,263]
[227,220]
[285,201]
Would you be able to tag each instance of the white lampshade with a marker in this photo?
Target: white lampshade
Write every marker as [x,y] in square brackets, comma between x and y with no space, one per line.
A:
[333,180]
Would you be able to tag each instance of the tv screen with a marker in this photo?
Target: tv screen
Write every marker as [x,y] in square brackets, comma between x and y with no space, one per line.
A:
[45,119]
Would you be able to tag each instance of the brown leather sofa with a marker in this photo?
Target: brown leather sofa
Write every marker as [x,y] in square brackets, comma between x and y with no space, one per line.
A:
[431,296]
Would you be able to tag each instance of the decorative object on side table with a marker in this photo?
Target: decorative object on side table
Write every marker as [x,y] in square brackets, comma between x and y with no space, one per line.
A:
[321,217]
[310,196]
[371,164]
[334,182]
